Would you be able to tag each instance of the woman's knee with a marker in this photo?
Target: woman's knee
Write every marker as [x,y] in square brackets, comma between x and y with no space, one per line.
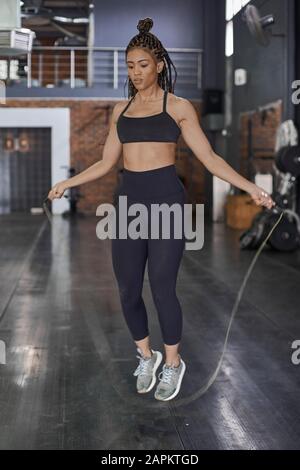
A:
[130,294]
[164,293]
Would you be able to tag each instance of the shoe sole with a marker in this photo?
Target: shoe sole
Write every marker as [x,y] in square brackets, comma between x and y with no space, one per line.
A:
[155,367]
[178,385]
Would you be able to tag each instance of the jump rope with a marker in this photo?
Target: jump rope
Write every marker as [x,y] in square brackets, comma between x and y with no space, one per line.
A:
[212,378]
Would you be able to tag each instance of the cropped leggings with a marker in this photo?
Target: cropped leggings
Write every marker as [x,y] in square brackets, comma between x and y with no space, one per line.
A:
[163,255]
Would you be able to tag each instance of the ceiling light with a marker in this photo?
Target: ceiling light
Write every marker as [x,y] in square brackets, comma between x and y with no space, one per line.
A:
[80,20]
[62,19]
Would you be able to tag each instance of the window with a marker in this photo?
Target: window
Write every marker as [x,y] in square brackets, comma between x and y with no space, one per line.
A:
[232,8]
[3,69]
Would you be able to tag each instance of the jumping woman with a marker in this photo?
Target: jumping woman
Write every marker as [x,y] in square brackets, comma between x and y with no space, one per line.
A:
[145,129]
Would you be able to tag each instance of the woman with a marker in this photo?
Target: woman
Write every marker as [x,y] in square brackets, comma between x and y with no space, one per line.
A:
[147,135]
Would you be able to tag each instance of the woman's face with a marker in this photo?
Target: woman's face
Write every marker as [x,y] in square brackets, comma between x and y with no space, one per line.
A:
[142,68]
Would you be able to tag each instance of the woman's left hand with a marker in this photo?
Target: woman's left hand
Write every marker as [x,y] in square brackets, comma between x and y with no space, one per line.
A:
[261,197]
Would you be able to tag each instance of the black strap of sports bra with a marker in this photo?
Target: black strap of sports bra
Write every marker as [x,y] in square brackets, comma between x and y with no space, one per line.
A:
[165,101]
[127,106]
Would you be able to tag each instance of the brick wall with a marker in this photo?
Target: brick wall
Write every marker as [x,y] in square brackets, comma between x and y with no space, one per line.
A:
[89,129]
[264,127]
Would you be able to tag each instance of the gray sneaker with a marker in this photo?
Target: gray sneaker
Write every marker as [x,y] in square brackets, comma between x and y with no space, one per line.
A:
[146,371]
[170,379]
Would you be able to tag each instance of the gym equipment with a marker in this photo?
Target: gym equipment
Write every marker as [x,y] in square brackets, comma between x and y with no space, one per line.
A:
[287,236]
[288,160]
[259,27]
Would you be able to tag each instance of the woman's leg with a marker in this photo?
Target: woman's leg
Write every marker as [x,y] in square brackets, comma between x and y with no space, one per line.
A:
[129,261]
[172,357]
[164,257]
[144,346]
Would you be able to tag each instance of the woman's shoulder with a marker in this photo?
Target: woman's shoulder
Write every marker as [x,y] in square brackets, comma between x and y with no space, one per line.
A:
[120,105]
[177,101]
[119,108]
[179,106]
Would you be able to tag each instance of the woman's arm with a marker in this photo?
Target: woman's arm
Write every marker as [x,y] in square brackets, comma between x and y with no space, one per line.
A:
[200,146]
[111,154]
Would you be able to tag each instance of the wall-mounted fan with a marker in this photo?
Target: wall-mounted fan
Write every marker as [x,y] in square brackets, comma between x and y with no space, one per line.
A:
[258,25]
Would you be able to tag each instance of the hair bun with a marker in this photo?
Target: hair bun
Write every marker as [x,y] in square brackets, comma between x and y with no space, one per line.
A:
[145,25]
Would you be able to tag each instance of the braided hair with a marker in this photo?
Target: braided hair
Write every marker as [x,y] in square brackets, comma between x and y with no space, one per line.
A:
[152,44]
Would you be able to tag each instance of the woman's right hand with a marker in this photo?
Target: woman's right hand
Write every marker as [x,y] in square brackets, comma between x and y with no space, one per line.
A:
[58,190]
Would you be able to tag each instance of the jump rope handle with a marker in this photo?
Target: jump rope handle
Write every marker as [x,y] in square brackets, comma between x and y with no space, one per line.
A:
[46,210]
[49,200]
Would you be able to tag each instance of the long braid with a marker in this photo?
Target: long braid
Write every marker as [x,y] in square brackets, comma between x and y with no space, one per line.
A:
[149,41]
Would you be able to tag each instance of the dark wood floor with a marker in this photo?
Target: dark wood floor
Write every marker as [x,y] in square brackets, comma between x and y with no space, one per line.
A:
[68,381]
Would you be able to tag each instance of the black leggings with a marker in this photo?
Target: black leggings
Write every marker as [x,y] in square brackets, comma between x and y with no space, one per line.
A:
[129,256]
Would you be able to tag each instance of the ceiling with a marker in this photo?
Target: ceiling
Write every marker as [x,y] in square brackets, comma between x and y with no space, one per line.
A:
[50,20]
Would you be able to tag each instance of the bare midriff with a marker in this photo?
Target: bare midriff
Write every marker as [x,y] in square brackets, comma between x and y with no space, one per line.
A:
[143,156]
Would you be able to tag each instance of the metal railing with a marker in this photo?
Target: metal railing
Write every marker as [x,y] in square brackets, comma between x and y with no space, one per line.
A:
[89,66]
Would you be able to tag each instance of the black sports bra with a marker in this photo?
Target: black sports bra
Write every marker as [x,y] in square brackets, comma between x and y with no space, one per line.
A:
[154,128]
